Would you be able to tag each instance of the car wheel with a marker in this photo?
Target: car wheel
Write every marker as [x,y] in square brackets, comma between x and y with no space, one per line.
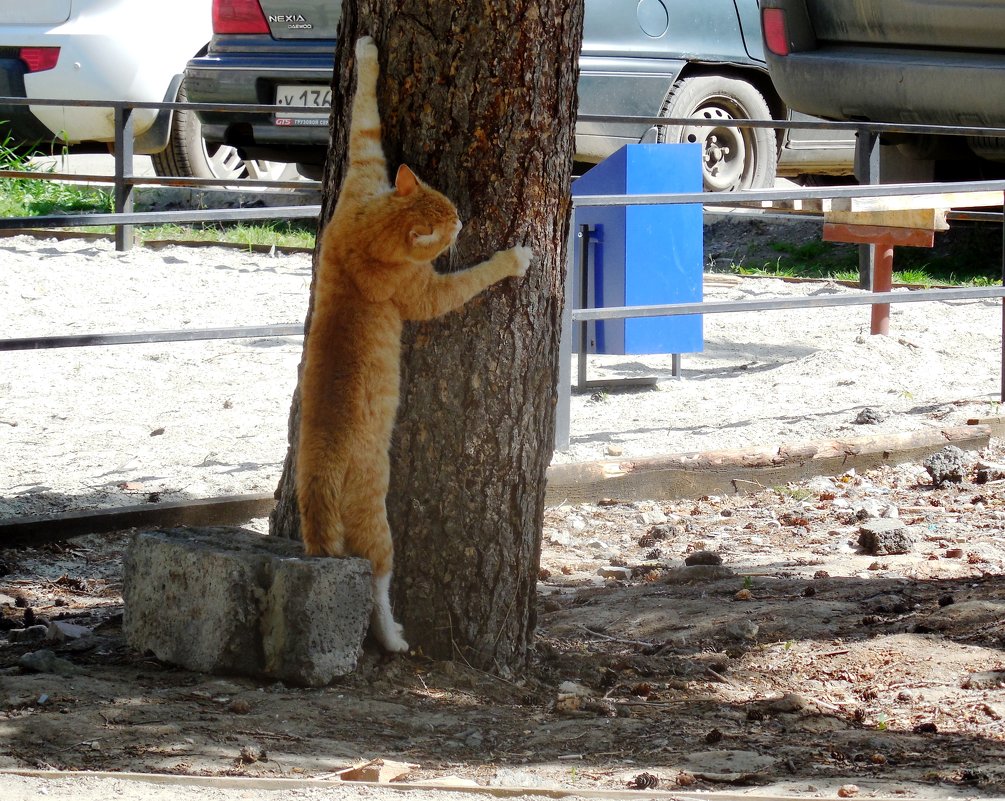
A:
[188,155]
[732,158]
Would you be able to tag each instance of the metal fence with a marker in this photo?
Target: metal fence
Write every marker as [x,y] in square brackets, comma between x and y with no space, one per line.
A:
[125,217]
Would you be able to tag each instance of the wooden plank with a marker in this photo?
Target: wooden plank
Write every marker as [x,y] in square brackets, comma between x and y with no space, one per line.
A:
[692,475]
[229,510]
[878,235]
[996,424]
[925,219]
[936,200]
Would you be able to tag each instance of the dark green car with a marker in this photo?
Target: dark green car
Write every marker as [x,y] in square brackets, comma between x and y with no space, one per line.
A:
[698,59]
[898,61]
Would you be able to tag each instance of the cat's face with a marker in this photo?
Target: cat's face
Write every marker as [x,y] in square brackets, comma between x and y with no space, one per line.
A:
[426,221]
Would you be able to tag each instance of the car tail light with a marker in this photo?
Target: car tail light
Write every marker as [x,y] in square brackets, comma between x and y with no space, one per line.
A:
[238,16]
[39,59]
[776,33]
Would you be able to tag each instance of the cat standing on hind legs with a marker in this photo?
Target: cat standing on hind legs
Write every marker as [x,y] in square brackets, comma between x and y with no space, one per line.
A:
[375,271]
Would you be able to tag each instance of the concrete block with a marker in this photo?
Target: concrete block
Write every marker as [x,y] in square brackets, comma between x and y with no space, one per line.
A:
[228,600]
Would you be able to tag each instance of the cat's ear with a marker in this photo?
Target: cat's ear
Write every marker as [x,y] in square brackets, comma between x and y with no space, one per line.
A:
[405,182]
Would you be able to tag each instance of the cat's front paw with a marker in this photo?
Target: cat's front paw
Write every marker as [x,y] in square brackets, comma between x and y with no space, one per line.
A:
[366,49]
[522,256]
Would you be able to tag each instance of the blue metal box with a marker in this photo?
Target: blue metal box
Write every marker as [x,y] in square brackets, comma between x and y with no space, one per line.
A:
[643,255]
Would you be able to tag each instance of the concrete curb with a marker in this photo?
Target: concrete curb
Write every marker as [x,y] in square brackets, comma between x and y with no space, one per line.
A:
[729,472]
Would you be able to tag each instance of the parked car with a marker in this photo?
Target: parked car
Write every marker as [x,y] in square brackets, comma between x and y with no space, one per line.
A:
[902,61]
[108,50]
[671,58]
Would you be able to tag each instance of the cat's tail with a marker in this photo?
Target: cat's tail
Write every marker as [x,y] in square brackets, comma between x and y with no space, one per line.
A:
[321,527]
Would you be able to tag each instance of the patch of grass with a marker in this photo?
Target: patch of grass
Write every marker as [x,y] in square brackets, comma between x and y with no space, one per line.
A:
[28,197]
[968,254]
[31,197]
[282,233]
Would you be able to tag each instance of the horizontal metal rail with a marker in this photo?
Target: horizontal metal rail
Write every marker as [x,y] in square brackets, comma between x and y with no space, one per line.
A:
[135,180]
[145,337]
[779,304]
[748,196]
[158,217]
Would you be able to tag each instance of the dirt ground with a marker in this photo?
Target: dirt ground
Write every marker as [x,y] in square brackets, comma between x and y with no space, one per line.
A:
[801,665]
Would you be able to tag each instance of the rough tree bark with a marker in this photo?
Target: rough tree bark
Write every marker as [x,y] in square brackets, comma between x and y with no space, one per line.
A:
[479,99]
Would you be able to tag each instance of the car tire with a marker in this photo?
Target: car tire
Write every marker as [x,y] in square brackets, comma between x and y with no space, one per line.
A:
[732,158]
[188,155]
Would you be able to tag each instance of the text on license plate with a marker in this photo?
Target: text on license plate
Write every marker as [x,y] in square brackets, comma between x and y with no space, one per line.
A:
[302,99]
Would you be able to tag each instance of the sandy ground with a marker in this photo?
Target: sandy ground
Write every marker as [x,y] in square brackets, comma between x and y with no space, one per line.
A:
[90,427]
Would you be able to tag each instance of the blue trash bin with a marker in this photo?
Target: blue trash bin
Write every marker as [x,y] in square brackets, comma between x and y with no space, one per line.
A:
[643,255]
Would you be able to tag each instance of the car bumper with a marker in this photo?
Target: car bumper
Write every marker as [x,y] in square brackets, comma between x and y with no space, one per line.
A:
[893,85]
[253,81]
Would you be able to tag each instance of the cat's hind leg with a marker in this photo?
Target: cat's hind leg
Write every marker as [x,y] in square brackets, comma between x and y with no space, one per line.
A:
[368,535]
[385,628]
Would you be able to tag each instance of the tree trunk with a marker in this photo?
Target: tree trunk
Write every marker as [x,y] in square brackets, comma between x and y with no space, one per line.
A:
[479,99]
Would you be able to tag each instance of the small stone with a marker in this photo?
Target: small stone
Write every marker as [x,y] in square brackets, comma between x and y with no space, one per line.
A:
[884,537]
[574,688]
[615,450]
[986,680]
[869,416]
[867,510]
[694,573]
[253,753]
[46,661]
[474,740]
[653,517]
[703,558]
[30,634]
[61,631]
[788,704]
[741,630]
[954,553]
[989,471]
[744,595]
[949,464]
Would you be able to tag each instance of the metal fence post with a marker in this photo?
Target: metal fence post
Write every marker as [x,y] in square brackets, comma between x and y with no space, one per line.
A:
[563,408]
[866,172]
[123,169]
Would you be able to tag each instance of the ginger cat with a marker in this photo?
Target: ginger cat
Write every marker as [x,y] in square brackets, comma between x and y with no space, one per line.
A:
[375,271]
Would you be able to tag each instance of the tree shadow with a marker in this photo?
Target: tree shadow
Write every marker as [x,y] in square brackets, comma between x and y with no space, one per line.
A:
[680,680]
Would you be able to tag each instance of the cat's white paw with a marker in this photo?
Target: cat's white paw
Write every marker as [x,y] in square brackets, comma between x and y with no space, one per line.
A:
[393,640]
[366,48]
[522,256]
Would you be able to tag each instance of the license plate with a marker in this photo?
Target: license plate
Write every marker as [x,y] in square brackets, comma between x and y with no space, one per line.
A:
[301,100]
